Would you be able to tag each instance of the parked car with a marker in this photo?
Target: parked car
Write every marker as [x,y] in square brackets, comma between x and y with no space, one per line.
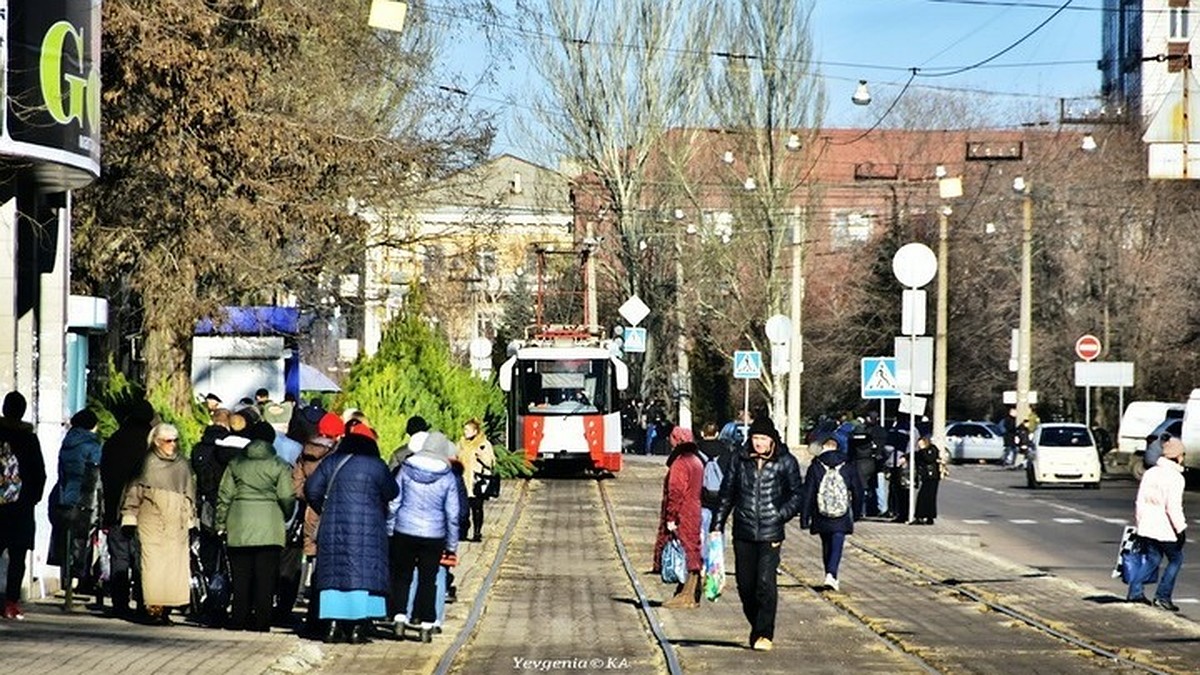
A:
[1138,424]
[1062,452]
[972,441]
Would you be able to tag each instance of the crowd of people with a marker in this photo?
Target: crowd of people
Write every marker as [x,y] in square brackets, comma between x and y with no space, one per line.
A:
[745,472]
[274,499]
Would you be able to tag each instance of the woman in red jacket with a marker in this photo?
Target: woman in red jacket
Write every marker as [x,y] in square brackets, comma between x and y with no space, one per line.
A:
[680,515]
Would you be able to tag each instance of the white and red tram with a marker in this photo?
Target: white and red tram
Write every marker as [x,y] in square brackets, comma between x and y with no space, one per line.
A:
[564,404]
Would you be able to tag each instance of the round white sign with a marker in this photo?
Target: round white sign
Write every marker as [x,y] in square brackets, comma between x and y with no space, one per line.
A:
[914,265]
[779,329]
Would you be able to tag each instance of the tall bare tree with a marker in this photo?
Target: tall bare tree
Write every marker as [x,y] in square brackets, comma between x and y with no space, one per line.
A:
[235,131]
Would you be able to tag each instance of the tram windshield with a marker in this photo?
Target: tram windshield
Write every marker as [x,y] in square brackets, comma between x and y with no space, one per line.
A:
[560,387]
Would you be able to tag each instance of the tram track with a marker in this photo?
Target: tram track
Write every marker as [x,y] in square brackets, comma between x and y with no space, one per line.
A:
[1025,618]
[656,629]
[911,645]
[888,640]
[464,633]
[529,611]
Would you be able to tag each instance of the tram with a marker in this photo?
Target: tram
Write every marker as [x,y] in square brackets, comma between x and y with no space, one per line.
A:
[564,407]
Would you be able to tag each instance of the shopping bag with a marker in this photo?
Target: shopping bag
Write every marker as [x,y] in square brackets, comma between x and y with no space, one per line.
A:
[1131,559]
[1126,545]
[714,567]
[674,563]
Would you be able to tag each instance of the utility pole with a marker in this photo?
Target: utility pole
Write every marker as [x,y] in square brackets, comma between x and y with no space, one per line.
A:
[794,421]
[1025,329]
[940,329]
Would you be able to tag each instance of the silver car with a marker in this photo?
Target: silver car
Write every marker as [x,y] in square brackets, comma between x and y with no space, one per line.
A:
[974,441]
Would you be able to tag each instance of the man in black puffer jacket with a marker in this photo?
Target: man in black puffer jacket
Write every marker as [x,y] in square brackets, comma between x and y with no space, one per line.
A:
[763,492]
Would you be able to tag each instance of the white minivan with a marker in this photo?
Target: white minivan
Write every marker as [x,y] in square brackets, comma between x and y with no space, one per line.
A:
[1062,452]
[1138,422]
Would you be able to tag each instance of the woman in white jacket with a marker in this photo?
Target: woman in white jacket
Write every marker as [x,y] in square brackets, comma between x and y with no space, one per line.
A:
[1161,525]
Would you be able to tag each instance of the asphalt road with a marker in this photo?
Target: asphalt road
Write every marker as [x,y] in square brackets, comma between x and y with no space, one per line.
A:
[1067,531]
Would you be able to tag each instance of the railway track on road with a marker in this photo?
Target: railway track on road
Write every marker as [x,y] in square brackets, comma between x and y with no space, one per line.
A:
[959,629]
[561,593]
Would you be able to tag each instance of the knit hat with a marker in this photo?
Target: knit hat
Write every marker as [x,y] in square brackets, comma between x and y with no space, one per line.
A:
[331,426]
[681,435]
[261,431]
[84,419]
[1172,448]
[361,429]
[763,426]
[416,424]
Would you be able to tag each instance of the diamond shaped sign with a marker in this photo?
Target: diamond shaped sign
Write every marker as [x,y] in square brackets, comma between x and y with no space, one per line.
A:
[634,310]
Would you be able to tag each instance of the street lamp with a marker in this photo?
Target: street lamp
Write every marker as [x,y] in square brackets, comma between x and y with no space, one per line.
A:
[861,95]
[1025,328]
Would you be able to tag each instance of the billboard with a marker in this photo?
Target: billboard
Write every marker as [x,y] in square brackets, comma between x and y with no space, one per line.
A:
[51,88]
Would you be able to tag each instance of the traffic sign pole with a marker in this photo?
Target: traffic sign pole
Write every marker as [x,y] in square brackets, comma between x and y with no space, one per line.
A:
[1087,347]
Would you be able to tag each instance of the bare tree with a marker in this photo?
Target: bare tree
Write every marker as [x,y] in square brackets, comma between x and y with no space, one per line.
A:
[617,76]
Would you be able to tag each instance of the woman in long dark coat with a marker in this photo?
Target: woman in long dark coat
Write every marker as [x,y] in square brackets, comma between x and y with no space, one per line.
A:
[929,477]
[350,490]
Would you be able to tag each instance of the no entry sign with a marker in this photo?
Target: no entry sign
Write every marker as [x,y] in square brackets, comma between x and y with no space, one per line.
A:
[1087,347]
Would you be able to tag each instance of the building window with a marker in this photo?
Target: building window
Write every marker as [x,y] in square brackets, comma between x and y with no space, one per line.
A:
[851,227]
[1180,28]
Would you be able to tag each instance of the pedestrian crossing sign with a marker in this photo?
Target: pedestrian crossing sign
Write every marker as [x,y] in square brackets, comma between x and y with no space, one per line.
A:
[635,339]
[747,365]
[879,377]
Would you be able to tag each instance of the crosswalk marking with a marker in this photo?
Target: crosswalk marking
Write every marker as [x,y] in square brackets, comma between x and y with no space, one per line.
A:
[1068,521]
[976,522]
[1188,601]
[1023,522]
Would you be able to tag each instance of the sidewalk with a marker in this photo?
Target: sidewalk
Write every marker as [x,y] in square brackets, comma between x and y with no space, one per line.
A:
[50,641]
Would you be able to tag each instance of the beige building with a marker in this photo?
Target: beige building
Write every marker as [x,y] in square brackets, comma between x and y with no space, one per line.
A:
[466,247]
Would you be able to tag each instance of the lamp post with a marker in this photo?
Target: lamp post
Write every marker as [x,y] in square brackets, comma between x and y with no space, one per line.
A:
[1025,327]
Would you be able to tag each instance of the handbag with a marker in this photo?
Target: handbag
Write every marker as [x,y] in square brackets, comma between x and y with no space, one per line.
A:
[329,492]
[674,564]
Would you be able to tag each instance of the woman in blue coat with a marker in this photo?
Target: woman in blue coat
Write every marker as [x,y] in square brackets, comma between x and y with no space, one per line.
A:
[351,490]
[820,512]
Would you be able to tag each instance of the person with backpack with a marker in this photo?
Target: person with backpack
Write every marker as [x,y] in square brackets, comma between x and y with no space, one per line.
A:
[716,456]
[22,481]
[762,491]
[833,500]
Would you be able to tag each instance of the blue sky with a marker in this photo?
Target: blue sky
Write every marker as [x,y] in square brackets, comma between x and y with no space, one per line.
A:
[1059,60]
[880,40]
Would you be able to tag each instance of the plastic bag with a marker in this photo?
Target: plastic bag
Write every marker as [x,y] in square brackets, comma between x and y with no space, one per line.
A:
[674,563]
[714,567]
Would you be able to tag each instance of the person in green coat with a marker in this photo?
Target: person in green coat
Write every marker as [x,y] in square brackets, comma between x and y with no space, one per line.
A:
[254,500]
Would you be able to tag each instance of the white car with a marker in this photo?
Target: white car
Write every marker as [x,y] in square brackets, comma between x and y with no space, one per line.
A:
[1062,452]
[971,441]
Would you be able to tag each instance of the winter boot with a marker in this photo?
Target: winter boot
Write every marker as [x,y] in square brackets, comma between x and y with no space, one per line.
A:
[688,596]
